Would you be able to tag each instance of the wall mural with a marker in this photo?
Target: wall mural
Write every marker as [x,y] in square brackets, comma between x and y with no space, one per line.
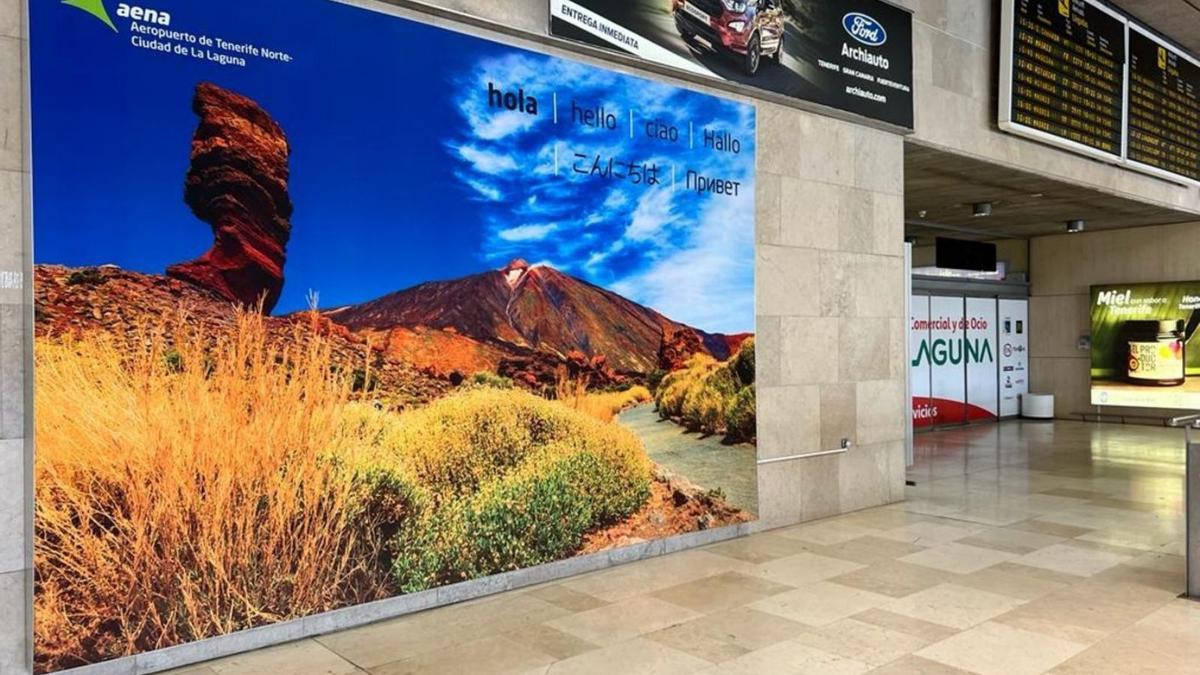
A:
[333,306]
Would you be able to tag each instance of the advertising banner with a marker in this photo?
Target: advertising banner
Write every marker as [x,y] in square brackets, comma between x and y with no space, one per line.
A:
[334,306]
[853,55]
[953,347]
[1013,355]
[1143,354]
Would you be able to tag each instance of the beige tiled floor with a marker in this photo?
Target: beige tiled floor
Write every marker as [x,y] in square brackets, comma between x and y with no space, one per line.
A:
[1023,548]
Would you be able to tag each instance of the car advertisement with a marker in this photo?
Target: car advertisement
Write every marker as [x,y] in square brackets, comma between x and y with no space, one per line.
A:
[1144,353]
[853,55]
[952,351]
[334,306]
[1013,354]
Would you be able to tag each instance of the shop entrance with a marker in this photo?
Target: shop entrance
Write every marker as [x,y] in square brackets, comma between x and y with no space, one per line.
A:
[968,352]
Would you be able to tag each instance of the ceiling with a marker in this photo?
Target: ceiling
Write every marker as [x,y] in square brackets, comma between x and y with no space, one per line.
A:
[1177,19]
[945,186]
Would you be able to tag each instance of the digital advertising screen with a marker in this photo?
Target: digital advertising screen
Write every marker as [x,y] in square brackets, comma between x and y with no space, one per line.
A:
[334,306]
[853,55]
[1143,345]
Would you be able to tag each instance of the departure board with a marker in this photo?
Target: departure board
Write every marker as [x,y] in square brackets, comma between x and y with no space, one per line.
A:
[1164,106]
[1063,74]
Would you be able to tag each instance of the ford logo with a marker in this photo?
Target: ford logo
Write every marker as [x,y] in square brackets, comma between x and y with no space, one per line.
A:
[864,29]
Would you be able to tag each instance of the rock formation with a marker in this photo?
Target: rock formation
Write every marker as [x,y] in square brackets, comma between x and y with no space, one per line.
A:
[677,347]
[238,184]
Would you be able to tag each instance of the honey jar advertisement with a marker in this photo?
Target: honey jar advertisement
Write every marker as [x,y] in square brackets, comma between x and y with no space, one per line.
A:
[1143,354]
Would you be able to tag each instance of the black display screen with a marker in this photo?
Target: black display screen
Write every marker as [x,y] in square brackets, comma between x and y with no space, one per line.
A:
[1164,106]
[1068,72]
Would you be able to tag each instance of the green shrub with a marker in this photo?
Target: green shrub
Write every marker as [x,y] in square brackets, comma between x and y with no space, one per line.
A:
[741,415]
[743,362]
[712,397]
[486,378]
[513,480]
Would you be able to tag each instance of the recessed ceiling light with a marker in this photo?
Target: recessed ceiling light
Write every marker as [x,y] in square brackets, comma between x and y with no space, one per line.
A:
[981,209]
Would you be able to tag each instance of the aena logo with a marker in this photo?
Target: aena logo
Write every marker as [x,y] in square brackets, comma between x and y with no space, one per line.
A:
[96,8]
[864,29]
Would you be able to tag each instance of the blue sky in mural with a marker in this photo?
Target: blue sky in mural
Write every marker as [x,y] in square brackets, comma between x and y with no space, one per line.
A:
[401,171]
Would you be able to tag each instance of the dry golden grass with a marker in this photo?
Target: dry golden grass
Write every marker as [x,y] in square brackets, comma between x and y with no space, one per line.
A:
[604,406]
[191,491]
[205,484]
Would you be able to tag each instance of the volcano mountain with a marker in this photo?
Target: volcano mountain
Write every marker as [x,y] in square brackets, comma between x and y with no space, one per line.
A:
[527,309]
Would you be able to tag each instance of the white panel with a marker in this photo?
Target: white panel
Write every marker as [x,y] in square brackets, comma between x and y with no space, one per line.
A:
[918,332]
[944,351]
[1013,355]
[978,350]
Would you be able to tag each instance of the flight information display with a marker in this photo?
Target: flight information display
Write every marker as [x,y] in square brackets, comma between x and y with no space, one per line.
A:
[1063,74]
[1164,106]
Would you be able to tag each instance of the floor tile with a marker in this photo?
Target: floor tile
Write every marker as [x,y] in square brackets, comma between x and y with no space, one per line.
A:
[305,657]
[403,638]
[623,620]
[820,603]
[791,658]
[804,568]
[1072,559]
[894,578]
[868,550]
[954,606]
[760,549]
[1003,582]
[551,641]
[932,533]
[724,636]
[927,631]
[1011,540]
[958,558]
[1123,656]
[827,532]
[638,655]
[997,649]
[915,665]
[493,655]
[1079,617]
[1053,529]
[721,591]
[862,641]
[567,598]
[647,576]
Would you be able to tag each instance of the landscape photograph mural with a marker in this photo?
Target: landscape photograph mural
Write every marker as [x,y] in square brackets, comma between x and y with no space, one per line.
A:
[324,321]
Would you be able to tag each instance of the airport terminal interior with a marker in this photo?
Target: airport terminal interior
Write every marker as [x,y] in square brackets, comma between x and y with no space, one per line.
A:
[599,336]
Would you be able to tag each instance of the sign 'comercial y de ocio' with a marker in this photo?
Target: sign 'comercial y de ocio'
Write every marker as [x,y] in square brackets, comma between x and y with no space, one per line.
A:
[852,55]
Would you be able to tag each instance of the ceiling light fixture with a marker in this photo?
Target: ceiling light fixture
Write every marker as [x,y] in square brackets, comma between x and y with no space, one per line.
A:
[981,209]
[1074,226]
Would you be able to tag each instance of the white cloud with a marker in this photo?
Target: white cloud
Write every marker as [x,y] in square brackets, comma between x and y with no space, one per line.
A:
[709,282]
[653,216]
[491,163]
[531,232]
[483,189]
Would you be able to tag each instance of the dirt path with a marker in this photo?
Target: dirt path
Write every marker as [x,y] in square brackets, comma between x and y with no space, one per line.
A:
[704,461]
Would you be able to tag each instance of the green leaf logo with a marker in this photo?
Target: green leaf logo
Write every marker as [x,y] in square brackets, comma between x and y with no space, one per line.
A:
[95,8]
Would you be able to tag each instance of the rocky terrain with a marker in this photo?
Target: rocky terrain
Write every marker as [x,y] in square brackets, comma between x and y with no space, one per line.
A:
[130,306]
